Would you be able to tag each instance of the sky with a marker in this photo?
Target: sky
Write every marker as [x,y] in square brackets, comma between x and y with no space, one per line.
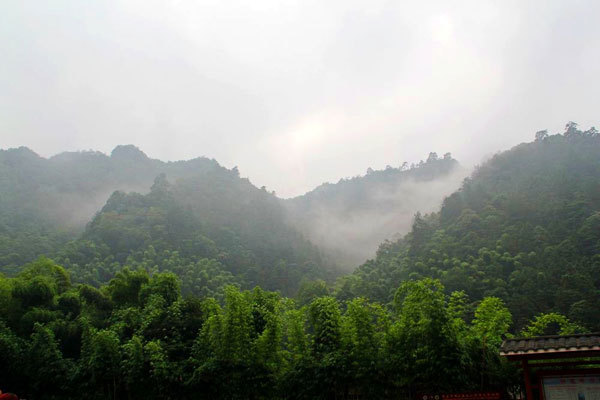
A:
[296,92]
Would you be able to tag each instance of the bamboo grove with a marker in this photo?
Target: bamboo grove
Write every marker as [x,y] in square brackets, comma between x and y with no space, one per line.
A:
[137,338]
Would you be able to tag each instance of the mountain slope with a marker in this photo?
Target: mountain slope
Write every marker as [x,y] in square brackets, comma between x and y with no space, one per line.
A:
[525,227]
[213,215]
[196,211]
[45,202]
[350,218]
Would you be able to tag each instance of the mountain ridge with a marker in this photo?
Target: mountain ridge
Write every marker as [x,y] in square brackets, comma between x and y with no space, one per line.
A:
[524,227]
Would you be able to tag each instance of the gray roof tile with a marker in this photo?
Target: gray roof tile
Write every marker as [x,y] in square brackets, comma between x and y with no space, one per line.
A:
[541,344]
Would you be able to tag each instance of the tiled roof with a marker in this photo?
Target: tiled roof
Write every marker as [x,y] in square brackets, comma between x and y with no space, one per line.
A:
[551,344]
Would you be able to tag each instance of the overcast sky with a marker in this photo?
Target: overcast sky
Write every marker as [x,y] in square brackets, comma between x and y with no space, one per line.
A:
[295,93]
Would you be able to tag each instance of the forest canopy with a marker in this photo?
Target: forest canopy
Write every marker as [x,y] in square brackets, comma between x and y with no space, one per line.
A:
[138,337]
[204,286]
[525,228]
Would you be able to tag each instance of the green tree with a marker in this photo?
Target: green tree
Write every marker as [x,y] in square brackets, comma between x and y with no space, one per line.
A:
[423,348]
[491,322]
[101,359]
[551,324]
[45,362]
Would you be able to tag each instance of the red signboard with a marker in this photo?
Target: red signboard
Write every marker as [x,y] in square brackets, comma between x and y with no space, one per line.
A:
[461,396]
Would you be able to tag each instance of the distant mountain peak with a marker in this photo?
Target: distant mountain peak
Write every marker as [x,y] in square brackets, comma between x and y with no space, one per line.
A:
[128,152]
[18,156]
[22,151]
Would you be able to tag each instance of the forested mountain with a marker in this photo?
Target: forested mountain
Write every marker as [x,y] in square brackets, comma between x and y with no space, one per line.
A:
[199,212]
[45,202]
[212,218]
[527,220]
[353,216]
[525,227]
[199,219]
[516,250]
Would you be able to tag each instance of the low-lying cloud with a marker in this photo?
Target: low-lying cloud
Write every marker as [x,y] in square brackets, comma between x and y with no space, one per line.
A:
[386,214]
[295,93]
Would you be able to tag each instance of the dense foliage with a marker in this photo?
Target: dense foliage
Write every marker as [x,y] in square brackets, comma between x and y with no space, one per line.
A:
[200,288]
[524,228]
[199,220]
[46,202]
[197,234]
[138,338]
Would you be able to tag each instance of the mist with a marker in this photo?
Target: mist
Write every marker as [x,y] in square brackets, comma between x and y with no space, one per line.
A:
[355,238]
[74,210]
[295,93]
[350,219]
[67,190]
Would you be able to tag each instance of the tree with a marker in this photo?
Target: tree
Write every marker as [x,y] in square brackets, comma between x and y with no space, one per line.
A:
[422,344]
[101,358]
[490,326]
[48,268]
[324,318]
[35,291]
[310,290]
[124,288]
[541,135]
[491,322]
[592,132]
[432,157]
[45,362]
[133,367]
[363,327]
[420,233]
[159,369]
[571,129]
[236,345]
[551,324]
[165,284]
[13,356]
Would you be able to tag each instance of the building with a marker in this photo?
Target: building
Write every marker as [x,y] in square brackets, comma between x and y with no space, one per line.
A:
[563,367]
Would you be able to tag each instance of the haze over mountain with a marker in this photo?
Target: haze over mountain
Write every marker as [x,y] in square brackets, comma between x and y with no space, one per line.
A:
[525,227]
[195,207]
[169,284]
[50,200]
[353,216]
[180,215]
[131,203]
[311,89]
[283,271]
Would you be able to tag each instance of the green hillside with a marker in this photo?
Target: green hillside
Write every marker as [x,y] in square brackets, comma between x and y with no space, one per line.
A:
[525,227]
[169,313]
[194,214]
[46,201]
[97,213]
[214,217]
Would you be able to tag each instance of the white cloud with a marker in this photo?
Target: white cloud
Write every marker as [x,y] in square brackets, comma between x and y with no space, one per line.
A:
[295,92]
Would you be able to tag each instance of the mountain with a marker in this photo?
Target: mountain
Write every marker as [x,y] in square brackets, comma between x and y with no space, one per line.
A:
[199,210]
[525,227]
[166,319]
[212,217]
[353,216]
[187,212]
[525,221]
[46,201]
